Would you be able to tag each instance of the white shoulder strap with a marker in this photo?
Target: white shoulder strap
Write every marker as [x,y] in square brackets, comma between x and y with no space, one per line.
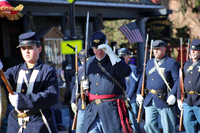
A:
[159,72]
[22,76]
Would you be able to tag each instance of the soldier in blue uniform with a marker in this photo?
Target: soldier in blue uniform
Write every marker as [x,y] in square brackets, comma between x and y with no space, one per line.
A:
[36,90]
[106,111]
[162,74]
[191,103]
[131,87]
[80,115]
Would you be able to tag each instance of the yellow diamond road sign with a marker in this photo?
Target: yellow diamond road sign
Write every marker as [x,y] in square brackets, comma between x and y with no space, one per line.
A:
[68,47]
[70,1]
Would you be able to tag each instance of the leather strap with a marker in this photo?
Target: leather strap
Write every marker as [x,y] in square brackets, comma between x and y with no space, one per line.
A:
[191,67]
[162,76]
[154,68]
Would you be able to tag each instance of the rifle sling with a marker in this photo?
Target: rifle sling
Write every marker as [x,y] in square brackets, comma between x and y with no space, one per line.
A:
[123,90]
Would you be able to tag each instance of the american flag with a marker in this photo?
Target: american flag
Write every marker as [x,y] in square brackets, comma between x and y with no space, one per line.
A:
[131,32]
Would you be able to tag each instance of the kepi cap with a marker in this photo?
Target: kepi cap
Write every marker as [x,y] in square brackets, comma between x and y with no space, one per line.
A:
[82,54]
[122,52]
[28,39]
[195,44]
[97,39]
[158,44]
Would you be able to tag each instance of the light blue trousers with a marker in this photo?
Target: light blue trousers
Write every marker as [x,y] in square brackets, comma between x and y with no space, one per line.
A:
[135,125]
[80,120]
[191,118]
[168,120]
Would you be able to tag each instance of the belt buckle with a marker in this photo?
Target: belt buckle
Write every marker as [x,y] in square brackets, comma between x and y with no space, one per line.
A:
[21,115]
[191,92]
[98,101]
[153,91]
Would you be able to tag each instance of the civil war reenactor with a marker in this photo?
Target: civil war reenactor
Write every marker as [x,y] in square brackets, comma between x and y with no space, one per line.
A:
[106,112]
[131,87]
[36,90]
[78,106]
[162,76]
[191,103]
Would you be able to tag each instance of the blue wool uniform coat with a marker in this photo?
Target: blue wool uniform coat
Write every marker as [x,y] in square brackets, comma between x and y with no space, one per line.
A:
[45,94]
[73,98]
[132,85]
[101,84]
[192,83]
[171,70]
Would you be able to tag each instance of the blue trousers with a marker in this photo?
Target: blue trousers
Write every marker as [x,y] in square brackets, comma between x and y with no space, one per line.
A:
[97,126]
[168,120]
[135,125]
[191,118]
[80,119]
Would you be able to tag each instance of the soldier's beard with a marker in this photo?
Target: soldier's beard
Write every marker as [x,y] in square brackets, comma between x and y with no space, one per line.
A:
[157,55]
[195,55]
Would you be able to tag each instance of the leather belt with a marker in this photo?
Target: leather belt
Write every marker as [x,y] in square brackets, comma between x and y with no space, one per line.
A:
[156,91]
[192,92]
[29,113]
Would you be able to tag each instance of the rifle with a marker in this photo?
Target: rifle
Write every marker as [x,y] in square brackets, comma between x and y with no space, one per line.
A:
[188,49]
[181,85]
[150,56]
[84,77]
[76,83]
[8,86]
[143,80]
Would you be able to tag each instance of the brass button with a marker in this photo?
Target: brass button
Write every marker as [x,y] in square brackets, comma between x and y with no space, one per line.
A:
[96,94]
[152,79]
[98,74]
[189,81]
[26,71]
[97,83]
[191,72]
[23,90]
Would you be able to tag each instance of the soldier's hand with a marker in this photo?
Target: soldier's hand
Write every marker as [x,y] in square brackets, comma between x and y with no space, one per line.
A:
[1,65]
[180,104]
[139,98]
[107,49]
[13,99]
[85,84]
[74,107]
[171,100]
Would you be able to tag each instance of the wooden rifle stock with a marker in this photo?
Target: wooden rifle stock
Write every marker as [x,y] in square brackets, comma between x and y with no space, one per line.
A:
[74,121]
[143,80]
[181,85]
[3,77]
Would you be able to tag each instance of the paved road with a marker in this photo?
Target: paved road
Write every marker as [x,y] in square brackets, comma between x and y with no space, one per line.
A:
[65,119]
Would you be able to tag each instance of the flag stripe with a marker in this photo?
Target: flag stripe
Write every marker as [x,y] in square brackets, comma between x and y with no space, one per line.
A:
[131,36]
[131,32]
[123,30]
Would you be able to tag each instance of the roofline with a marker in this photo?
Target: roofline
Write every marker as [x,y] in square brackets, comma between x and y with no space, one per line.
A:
[97,4]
